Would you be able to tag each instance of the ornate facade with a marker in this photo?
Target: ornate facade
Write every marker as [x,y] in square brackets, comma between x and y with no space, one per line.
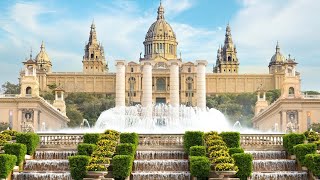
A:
[169,73]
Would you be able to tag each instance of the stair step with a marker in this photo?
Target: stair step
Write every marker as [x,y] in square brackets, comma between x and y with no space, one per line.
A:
[274,165]
[41,176]
[161,175]
[47,165]
[161,155]
[161,165]
[268,154]
[49,154]
[280,175]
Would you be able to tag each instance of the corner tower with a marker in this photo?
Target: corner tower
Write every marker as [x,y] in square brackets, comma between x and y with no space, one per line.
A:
[227,61]
[94,60]
[160,39]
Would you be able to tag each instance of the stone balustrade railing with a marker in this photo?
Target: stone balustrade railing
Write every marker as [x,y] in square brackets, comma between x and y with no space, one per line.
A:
[246,140]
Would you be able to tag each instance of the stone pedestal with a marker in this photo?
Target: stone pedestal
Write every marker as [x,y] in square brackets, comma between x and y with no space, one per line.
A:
[174,83]
[147,84]
[201,84]
[120,84]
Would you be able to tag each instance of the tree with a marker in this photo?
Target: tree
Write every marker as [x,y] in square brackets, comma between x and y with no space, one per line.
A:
[315,127]
[10,88]
[273,95]
[74,115]
[312,92]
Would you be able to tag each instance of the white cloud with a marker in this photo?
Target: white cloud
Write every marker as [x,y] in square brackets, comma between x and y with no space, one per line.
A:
[173,7]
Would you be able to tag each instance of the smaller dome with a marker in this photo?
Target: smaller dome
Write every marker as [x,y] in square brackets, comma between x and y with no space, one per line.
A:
[42,56]
[278,57]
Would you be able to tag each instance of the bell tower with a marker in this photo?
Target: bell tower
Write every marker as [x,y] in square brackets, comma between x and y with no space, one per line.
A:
[29,81]
[94,60]
[59,102]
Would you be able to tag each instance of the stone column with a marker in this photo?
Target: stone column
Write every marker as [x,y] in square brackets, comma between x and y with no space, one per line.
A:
[201,84]
[174,83]
[147,84]
[120,83]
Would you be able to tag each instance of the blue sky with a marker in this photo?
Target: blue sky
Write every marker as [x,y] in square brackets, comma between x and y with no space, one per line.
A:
[199,25]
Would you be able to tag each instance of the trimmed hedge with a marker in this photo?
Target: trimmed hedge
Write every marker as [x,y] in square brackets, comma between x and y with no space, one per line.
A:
[31,140]
[10,132]
[86,149]
[301,150]
[313,163]
[6,137]
[198,151]
[91,138]
[192,138]
[232,139]
[199,166]
[132,138]
[311,136]
[126,149]
[292,139]
[235,150]
[244,163]
[7,162]
[17,149]
[122,166]
[78,166]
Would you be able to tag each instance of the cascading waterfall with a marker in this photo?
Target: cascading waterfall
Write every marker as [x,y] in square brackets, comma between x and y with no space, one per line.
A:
[163,119]
[160,165]
[160,155]
[54,154]
[274,165]
[268,154]
[161,176]
[280,175]
[42,176]
[47,165]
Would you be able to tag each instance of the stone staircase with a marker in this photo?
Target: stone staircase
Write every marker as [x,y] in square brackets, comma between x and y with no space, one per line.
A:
[274,165]
[160,159]
[47,164]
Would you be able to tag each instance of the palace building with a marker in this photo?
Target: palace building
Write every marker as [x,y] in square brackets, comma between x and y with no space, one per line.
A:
[160,76]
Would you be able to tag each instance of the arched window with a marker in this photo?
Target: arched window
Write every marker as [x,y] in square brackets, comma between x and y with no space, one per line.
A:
[229,58]
[189,82]
[28,90]
[291,91]
[132,82]
[161,84]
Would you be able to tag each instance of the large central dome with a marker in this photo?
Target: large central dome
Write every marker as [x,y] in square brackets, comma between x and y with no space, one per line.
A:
[160,39]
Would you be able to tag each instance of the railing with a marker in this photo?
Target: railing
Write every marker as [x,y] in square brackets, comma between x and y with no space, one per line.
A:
[246,140]
[305,96]
[9,95]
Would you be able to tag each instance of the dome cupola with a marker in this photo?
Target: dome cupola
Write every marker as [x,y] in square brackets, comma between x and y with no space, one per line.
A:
[277,57]
[42,59]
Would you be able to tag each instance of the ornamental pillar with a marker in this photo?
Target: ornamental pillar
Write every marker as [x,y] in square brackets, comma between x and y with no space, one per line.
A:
[174,83]
[201,84]
[147,84]
[120,83]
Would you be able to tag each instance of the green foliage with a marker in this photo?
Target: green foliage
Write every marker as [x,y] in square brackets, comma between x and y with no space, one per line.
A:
[312,162]
[78,166]
[96,167]
[122,166]
[49,96]
[9,132]
[226,167]
[87,106]
[197,151]
[126,149]
[217,148]
[3,142]
[91,138]
[244,162]
[318,144]
[311,136]
[215,143]
[210,135]
[17,149]
[311,92]
[5,137]
[99,160]
[223,159]
[235,150]
[192,138]
[86,149]
[10,88]
[7,162]
[292,139]
[315,127]
[232,139]
[132,138]
[216,154]
[273,95]
[31,140]
[3,126]
[301,150]
[199,166]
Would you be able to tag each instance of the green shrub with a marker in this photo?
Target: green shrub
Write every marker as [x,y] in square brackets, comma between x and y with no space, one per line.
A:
[78,166]
[132,138]
[216,143]
[17,149]
[197,151]
[217,148]
[91,138]
[31,140]
[199,166]
[116,134]
[235,150]
[232,139]
[96,167]
[192,138]
[7,162]
[244,162]
[10,132]
[311,136]
[223,159]
[225,167]
[318,144]
[215,154]
[292,139]
[126,149]
[99,160]
[5,137]
[210,135]
[110,137]
[2,142]
[122,166]
[86,149]
[313,163]
[107,143]
[301,150]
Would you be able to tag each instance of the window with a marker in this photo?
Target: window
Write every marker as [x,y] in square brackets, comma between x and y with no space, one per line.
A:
[229,58]
[28,90]
[189,82]
[189,70]
[291,91]
[92,55]
[161,84]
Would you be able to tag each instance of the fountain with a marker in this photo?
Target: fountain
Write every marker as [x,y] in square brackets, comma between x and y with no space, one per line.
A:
[237,126]
[163,119]
[85,122]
